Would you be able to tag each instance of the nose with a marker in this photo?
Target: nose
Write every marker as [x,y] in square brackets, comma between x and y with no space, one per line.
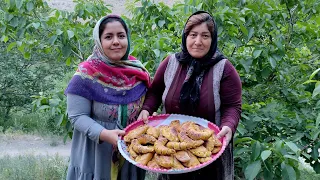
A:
[115,41]
[198,40]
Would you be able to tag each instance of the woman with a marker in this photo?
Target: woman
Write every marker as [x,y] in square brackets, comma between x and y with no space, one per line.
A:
[199,81]
[105,94]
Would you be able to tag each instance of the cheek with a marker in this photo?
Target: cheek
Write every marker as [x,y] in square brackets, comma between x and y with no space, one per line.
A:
[188,44]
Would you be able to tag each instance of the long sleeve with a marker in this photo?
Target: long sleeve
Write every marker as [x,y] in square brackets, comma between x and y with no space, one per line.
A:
[79,111]
[154,94]
[230,93]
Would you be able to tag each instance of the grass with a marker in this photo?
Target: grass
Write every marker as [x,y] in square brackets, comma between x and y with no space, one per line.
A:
[30,167]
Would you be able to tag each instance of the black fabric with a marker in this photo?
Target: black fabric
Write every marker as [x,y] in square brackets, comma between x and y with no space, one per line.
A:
[197,68]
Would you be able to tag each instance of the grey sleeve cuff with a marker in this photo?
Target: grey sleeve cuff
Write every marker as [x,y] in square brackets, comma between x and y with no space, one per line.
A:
[79,111]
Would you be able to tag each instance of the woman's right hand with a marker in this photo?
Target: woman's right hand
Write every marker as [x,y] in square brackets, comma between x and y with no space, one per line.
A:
[144,114]
[111,136]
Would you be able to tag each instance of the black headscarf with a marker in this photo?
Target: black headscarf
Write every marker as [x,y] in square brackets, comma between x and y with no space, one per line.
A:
[197,68]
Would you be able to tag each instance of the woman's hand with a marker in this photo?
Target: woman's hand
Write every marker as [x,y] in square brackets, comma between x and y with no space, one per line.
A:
[144,114]
[111,136]
[227,132]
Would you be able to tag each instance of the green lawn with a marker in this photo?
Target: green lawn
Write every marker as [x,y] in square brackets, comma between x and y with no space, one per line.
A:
[32,167]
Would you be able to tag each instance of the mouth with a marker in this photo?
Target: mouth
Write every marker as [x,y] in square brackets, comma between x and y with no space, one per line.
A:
[116,49]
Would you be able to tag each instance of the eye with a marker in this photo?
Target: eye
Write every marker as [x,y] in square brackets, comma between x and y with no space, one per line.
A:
[122,36]
[108,37]
[192,35]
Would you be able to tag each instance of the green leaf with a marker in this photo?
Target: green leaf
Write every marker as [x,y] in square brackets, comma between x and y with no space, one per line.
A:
[265,154]
[68,61]
[14,22]
[252,170]
[30,6]
[43,107]
[256,53]
[244,29]
[314,73]
[272,62]
[279,44]
[70,34]
[318,121]
[66,50]
[156,52]
[27,55]
[60,119]
[52,39]
[250,33]
[161,23]
[291,157]
[315,153]
[316,91]
[19,3]
[256,149]
[36,25]
[292,146]
[288,172]
[4,38]
[10,46]
[58,32]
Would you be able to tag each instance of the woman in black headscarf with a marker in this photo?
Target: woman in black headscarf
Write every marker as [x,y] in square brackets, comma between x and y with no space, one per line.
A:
[199,81]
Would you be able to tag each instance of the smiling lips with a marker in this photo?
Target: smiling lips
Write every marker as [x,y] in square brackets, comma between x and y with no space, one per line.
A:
[116,49]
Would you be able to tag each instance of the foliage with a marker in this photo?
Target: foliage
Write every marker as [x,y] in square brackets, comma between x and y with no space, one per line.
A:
[22,78]
[274,46]
[32,167]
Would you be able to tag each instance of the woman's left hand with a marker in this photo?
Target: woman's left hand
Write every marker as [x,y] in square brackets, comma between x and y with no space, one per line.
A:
[227,132]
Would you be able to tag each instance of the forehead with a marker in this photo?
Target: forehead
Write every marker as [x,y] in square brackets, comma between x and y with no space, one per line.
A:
[114,27]
[201,28]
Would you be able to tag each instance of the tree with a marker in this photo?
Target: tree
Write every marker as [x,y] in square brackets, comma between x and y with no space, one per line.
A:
[273,45]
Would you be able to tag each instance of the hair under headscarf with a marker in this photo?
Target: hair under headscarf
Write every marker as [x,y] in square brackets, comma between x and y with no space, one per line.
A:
[197,67]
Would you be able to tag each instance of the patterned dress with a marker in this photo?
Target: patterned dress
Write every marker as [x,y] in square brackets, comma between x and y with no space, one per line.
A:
[89,156]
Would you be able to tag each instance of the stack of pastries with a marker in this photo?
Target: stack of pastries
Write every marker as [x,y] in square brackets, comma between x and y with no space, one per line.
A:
[173,146]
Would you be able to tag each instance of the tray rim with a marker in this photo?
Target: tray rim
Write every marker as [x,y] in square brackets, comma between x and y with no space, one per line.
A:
[171,171]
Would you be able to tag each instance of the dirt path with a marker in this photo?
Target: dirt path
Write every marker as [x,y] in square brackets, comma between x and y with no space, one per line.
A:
[118,6]
[22,144]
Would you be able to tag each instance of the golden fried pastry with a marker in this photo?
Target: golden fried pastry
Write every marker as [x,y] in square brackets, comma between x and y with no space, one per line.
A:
[160,148]
[216,149]
[185,138]
[177,164]
[153,131]
[203,160]
[135,133]
[216,141]
[146,139]
[169,132]
[152,163]
[195,133]
[209,144]
[144,158]
[193,160]
[164,161]
[184,126]
[178,145]
[132,153]
[182,156]
[176,124]
[200,151]
[138,148]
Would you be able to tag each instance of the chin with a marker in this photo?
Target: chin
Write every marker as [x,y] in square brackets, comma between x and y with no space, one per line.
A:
[197,56]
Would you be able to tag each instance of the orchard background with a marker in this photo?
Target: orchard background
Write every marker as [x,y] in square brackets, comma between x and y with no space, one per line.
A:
[274,45]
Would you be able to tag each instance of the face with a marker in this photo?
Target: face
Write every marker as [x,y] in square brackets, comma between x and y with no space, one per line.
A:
[199,41]
[114,40]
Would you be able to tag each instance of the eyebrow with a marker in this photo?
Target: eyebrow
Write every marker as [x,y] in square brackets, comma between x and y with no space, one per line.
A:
[112,33]
[207,32]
